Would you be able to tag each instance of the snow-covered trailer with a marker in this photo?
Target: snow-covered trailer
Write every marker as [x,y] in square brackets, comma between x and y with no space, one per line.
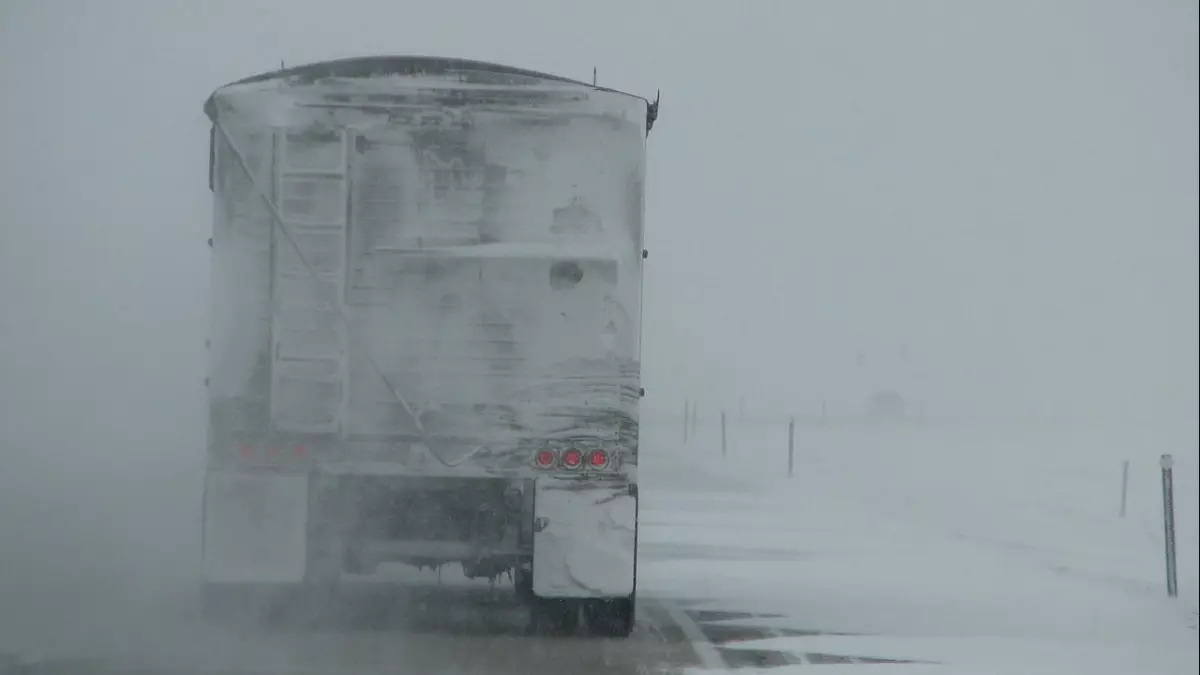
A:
[425,330]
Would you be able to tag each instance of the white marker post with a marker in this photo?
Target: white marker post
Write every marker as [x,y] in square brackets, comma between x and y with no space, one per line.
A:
[1124,485]
[791,445]
[1167,462]
[723,450]
[686,408]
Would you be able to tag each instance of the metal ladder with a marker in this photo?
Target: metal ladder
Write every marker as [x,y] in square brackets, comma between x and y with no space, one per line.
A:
[309,341]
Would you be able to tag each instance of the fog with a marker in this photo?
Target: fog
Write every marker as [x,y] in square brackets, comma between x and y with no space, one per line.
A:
[989,207]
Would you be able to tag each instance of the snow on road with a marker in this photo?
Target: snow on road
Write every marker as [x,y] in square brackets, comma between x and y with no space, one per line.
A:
[981,549]
[902,549]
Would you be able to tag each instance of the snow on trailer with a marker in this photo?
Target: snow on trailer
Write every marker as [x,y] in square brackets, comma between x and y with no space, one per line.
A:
[427,274]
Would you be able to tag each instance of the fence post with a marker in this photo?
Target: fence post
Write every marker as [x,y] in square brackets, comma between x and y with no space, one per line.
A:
[1124,485]
[1167,462]
[791,445]
[722,433]
[686,405]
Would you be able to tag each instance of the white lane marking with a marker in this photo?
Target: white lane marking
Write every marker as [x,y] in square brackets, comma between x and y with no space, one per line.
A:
[800,657]
[704,649]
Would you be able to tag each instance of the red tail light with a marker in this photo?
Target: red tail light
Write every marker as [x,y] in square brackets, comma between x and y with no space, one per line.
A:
[246,451]
[544,459]
[598,459]
[572,459]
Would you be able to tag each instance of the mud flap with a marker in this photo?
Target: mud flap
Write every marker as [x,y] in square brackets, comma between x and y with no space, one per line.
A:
[255,527]
[584,540]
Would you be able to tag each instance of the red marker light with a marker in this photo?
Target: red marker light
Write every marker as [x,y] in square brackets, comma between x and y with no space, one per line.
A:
[300,451]
[598,459]
[246,451]
[545,459]
[572,459]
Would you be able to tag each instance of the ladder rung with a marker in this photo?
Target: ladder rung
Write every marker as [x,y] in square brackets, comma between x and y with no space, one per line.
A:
[315,368]
[331,359]
[303,276]
[302,226]
[312,173]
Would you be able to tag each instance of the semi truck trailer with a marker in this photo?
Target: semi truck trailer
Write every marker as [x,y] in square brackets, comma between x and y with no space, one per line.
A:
[424,349]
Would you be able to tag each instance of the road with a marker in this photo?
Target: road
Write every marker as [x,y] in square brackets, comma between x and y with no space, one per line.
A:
[469,630]
[97,624]
[456,630]
[129,605]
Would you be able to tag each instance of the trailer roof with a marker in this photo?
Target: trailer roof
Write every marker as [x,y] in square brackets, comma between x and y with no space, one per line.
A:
[375,66]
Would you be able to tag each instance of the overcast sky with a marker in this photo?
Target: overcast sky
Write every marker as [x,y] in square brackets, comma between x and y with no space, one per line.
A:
[989,206]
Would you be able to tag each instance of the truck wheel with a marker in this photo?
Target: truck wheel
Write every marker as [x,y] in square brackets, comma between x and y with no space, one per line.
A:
[225,602]
[553,616]
[251,605]
[213,605]
[523,585]
[610,618]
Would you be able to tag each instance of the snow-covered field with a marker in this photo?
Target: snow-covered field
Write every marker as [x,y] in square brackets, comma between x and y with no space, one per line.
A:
[975,548]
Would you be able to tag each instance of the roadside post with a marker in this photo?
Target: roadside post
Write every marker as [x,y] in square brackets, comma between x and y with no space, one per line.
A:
[723,433]
[686,406]
[1168,488]
[1124,485]
[791,445]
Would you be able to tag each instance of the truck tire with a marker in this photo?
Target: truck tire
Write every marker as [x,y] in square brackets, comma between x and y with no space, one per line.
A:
[523,585]
[611,617]
[221,603]
[256,605]
[214,603]
[554,616]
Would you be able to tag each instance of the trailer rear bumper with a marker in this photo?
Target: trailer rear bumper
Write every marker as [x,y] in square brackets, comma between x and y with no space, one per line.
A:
[577,534]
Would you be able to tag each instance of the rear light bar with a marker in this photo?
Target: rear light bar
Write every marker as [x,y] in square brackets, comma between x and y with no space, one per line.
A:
[572,459]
